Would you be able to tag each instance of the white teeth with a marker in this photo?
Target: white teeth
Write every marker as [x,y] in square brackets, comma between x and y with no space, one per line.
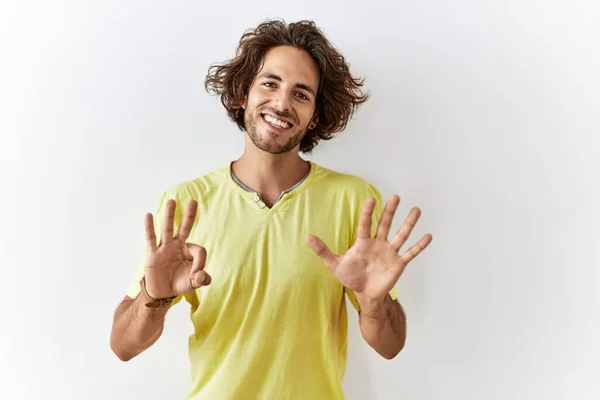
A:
[272,120]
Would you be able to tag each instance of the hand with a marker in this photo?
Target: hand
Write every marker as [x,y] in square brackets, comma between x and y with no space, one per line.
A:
[174,267]
[372,266]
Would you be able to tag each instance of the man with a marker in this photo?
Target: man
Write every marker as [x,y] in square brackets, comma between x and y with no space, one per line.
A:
[265,248]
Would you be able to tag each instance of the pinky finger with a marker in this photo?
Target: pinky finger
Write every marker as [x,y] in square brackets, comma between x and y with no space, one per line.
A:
[150,233]
[417,248]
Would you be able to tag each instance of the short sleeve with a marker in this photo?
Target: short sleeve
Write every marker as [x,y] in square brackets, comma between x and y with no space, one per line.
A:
[134,287]
[377,212]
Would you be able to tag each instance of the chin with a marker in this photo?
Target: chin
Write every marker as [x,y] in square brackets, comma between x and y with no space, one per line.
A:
[273,142]
[275,145]
[276,148]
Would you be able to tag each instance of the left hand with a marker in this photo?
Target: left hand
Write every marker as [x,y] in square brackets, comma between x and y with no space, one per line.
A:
[372,266]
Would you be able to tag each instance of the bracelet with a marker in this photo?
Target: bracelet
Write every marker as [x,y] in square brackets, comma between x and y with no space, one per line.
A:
[151,302]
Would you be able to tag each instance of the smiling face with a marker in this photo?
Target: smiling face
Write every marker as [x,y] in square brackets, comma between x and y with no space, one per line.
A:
[280,106]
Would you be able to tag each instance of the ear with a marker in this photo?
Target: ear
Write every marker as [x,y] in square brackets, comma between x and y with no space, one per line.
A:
[314,122]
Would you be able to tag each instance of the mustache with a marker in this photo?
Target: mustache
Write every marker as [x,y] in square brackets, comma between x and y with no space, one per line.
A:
[282,114]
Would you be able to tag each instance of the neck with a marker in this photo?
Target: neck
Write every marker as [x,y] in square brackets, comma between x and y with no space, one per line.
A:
[269,174]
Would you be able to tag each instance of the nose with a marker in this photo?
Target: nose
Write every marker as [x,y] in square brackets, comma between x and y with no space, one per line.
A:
[282,101]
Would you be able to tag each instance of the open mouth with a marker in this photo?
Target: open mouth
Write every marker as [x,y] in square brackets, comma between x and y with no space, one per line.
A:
[276,123]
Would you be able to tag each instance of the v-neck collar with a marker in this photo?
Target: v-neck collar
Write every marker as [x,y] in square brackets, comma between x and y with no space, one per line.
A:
[255,197]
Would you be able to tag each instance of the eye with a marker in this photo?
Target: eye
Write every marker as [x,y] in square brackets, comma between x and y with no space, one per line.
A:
[270,84]
[302,96]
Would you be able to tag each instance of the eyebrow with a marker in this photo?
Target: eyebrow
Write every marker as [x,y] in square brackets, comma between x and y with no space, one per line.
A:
[298,85]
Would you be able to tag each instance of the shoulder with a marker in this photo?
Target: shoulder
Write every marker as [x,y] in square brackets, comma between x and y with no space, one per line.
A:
[198,188]
[345,183]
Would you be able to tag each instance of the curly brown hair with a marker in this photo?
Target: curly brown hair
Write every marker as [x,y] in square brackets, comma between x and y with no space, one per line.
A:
[339,93]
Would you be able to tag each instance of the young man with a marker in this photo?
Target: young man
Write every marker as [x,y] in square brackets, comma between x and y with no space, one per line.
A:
[265,248]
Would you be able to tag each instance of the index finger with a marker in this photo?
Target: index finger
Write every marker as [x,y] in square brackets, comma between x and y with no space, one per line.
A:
[366,219]
[385,222]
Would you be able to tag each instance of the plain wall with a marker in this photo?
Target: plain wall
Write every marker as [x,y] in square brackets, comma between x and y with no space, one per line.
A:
[484,114]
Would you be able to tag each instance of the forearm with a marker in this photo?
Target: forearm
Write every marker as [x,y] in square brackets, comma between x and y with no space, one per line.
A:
[135,328]
[383,325]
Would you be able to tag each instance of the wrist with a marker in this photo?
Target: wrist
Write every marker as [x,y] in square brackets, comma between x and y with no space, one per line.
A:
[152,302]
[369,305]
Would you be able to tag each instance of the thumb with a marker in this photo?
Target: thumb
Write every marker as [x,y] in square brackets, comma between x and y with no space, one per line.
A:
[321,249]
[201,278]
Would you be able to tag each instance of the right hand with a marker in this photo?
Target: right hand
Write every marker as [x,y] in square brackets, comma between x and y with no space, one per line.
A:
[174,267]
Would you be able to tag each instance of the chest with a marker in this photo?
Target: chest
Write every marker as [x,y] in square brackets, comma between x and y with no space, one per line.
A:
[267,259]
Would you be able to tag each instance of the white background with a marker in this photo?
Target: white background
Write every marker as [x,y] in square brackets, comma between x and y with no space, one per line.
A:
[484,114]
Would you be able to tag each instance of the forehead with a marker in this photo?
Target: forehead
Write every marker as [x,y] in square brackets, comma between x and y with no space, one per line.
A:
[291,64]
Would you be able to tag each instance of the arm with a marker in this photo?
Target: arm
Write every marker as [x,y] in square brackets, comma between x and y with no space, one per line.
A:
[370,269]
[135,327]
[172,268]
[383,325]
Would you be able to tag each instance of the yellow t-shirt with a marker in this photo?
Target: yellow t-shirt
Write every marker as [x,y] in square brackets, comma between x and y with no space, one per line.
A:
[273,322]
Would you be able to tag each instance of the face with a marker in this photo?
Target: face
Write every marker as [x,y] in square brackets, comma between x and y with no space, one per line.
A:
[280,106]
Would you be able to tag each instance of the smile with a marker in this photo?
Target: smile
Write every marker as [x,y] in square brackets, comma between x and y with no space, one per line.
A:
[275,122]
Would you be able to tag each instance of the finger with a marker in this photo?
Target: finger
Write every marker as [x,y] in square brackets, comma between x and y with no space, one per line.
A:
[404,232]
[199,279]
[385,222]
[150,233]
[167,229]
[321,249]
[188,220]
[198,257]
[417,248]
[366,219]
[186,252]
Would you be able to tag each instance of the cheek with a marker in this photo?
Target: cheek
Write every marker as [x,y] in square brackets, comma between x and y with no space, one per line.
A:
[249,100]
[256,98]
[306,116]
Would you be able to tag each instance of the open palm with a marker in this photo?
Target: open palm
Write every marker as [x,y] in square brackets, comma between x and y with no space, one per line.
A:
[372,266]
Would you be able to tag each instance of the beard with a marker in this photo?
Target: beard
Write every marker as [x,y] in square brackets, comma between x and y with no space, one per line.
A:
[270,141]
